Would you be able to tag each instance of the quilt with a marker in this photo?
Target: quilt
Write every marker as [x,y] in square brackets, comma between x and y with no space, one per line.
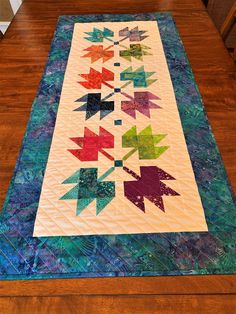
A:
[119,173]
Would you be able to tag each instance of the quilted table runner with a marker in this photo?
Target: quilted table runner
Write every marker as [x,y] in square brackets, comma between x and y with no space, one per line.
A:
[119,173]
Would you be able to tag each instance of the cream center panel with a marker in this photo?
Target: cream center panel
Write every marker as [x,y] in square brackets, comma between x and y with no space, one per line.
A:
[118,162]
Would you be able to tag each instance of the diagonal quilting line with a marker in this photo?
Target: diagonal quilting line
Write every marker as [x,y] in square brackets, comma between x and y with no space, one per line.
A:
[52,254]
[162,235]
[221,216]
[149,238]
[41,242]
[50,218]
[7,239]
[6,257]
[148,251]
[146,221]
[217,227]
[108,245]
[179,249]
[63,231]
[130,251]
[94,264]
[131,235]
[45,227]
[39,257]
[208,221]
[175,246]
[74,259]
[104,239]
[66,269]
[208,257]
[155,242]
[218,214]
[116,253]
[144,217]
[67,250]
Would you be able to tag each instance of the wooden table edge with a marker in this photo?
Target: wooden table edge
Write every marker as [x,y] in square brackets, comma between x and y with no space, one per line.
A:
[160,285]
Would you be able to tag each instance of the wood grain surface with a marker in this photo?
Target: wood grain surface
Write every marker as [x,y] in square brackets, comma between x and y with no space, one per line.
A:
[121,304]
[23,54]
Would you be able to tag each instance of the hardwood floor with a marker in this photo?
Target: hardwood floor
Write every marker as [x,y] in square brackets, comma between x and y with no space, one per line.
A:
[23,53]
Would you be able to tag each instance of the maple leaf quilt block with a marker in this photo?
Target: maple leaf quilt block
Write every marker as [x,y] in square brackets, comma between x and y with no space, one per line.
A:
[99,52]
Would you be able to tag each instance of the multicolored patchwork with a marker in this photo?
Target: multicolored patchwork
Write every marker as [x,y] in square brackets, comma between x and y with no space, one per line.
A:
[98,52]
[92,144]
[142,102]
[136,51]
[94,79]
[98,35]
[89,188]
[148,185]
[133,34]
[94,104]
[138,77]
[144,142]
[147,144]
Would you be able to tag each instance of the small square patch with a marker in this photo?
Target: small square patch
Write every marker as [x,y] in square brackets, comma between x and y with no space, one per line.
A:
[117,90]
[118,122]
[118,163]
[117,64]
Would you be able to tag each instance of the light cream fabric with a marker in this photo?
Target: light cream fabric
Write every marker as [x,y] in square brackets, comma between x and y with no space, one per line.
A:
[182,213]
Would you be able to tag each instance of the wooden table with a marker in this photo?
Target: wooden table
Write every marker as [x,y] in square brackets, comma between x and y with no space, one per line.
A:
[23,53]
